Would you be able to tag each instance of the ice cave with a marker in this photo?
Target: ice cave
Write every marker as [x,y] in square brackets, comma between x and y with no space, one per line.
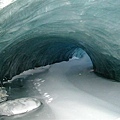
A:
[65,53]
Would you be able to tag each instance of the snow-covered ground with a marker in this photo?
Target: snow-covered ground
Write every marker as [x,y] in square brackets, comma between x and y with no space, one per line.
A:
[69,91]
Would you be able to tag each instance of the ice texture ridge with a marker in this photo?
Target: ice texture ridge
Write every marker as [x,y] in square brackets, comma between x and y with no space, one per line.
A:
[35,33]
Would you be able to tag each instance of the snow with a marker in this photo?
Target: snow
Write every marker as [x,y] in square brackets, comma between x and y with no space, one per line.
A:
[67,95]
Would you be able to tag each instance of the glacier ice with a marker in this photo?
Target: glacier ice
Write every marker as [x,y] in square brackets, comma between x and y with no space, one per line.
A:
[3,94]
[35,33]
[19,106]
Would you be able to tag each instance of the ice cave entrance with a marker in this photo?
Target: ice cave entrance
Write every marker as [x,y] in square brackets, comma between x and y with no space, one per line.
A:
[84,59]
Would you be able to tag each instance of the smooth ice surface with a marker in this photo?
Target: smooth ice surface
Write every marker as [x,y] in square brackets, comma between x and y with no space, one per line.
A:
[19,106]
[68,90]
[35,33]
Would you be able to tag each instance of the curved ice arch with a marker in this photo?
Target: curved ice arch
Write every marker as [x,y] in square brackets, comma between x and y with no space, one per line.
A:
[36,32]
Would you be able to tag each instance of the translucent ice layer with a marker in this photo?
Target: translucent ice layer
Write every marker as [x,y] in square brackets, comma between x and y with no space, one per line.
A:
[35,33]
[19,106]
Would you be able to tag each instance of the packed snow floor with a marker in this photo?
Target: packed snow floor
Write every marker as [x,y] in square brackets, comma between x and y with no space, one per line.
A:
[69,91]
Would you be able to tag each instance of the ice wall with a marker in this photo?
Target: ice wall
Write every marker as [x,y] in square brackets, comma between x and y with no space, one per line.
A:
[39,32]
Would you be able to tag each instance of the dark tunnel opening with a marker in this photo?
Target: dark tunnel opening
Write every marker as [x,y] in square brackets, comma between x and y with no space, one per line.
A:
[37,52]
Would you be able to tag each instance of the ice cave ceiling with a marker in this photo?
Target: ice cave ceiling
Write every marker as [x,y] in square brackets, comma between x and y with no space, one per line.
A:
[34,33]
